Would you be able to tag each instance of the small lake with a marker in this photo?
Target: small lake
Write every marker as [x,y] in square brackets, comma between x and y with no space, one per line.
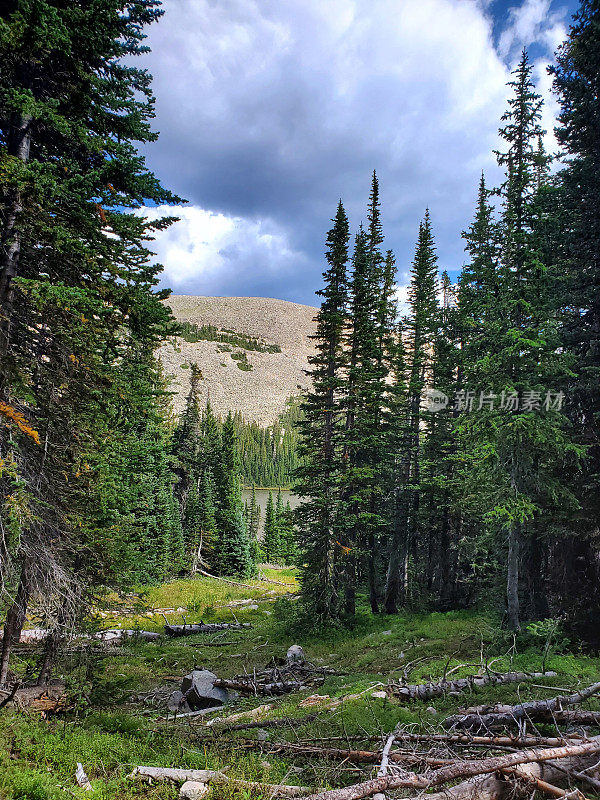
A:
[262,497]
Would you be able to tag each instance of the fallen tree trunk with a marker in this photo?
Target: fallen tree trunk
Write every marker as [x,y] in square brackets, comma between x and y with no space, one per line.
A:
[174,631]
[175,775]
[36,635]
[489,741]
[545,787]
[282,722]
[356,756]
[502,715]
[496,787]
[427,691]
[455,771]
[118,635]
[227,580]
[178,775]
[274,688]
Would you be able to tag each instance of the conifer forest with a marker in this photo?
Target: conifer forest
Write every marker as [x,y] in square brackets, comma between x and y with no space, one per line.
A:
[431,502]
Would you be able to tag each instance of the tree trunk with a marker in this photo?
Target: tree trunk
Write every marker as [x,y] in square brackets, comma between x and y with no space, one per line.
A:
[19,144]
[51,647]
[444,580]
[15,619]
[537,574]
[392,582]
[372,576]
[512,576]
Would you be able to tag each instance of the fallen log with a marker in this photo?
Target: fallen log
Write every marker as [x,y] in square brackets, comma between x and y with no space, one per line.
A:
[251,688]
[427,691]
[174,631]
[488,718]
[282,722]
[455,771]
[227,580]
[37,635]
[175,775]
[496,787]
[545,787]
[118,635]
[384,765]
[356,756]
[489,741]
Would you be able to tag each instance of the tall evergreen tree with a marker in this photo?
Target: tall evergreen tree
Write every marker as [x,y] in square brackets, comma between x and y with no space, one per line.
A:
[577,216]
[420,331]
[234,550]
[77,297]
[513,439]
[321,430]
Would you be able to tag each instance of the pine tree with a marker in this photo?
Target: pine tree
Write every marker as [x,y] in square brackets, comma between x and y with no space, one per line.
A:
[234,550]
[514,443]
[77,293]
[321,429]
[253,525]
[271,540]
[186,449]
[577,219]
[416,360]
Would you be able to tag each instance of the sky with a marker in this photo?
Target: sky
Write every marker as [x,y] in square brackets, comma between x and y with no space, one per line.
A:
[270,111]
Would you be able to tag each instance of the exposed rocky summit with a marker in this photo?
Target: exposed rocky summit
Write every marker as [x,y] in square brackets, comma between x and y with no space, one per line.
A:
[260,389]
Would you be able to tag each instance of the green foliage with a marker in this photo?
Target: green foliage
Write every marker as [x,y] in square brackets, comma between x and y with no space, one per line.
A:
[269,456]
[241,359]
[209,333]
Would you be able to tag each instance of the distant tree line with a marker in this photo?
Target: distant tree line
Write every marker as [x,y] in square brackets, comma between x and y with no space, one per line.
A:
[269,455]
[191,332]
[452,456]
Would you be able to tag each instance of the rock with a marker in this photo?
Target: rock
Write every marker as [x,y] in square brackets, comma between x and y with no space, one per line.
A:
[252,607]
[193,790]
[266,765]
[431,710]
[379,695]
[295,655]
[314,700]
[262,735]
[200,691]
[177,703]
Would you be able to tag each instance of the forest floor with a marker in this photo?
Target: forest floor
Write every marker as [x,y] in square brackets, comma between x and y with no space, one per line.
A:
[111,725]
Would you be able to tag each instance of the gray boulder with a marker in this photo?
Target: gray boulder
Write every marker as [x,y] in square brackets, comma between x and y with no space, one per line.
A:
[200,691]
[177,703]
[193,790]
[295,655]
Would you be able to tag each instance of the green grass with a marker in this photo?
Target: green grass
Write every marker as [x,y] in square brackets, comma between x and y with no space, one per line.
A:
[110,733]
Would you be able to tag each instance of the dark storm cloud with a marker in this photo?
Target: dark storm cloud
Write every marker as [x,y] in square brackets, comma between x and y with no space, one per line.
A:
[271,111]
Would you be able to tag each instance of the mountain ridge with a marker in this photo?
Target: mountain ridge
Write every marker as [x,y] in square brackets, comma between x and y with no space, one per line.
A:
[235,377]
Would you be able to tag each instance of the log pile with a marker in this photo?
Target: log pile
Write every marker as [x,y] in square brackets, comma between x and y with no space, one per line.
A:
[417,762]
[560,765]
[428,691]
[173,631]
[488,718]
[293,676]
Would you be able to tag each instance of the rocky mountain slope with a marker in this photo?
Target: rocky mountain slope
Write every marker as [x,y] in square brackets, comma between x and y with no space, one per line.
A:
[236,376]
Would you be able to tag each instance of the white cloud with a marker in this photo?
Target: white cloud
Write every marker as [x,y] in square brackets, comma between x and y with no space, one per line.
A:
[270,110]
[530,23]
[204,246]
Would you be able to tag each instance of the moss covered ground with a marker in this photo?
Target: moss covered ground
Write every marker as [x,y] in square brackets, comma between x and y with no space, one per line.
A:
[110,732]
